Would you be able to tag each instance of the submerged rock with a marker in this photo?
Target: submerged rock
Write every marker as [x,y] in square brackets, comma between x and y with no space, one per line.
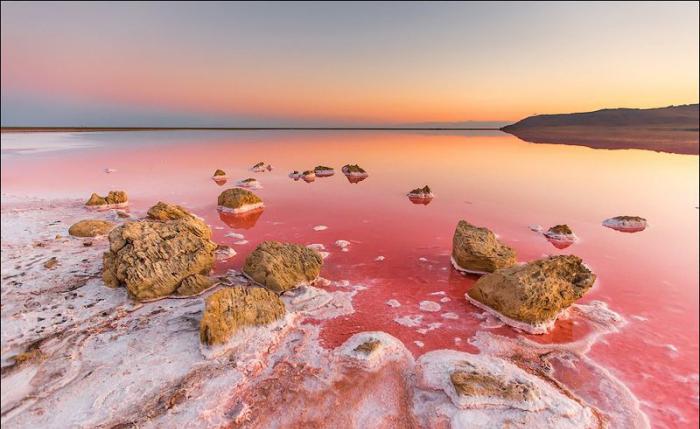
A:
[90,228]
[151,257]
[477,250]
[232,308]
[282,266]
[626,223]
[237,200]
[323,171]
[112,200]
[194,284]
[532,296]
[219,174]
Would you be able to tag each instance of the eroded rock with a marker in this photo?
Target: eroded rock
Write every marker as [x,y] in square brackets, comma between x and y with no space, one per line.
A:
[194,285]
[368,346]
[90,228]
[113,199]
[473,383]
[353,170]
[232,308]
[282,266]
[151,257]
[237,200]
[477,250]
[531,296]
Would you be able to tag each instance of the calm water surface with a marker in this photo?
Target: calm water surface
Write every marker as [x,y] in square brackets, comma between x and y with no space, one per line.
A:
[488,178]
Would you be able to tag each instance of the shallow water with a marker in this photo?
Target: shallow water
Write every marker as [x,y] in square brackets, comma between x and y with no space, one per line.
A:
[488,178]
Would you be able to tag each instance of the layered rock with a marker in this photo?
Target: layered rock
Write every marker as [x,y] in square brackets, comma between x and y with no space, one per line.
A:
[626,223]
[152,257]
[531,296]
[477,250]
[282,266]
[194,285]
[90,228]
[114,199]
[232,308]
[237,200]
[323,171]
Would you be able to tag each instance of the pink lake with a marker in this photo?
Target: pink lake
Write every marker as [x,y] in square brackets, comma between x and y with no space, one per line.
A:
[490,179]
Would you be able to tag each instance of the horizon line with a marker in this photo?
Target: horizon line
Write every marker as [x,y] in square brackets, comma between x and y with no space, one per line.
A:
[91,128]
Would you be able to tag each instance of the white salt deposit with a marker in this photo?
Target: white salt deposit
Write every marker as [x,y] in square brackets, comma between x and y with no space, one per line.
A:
[242,209]
[379,258]
[430,306]
[445,299]
[450,315]
[320,228]
[409,320]
[235,235]
[464,270]
[393,303]
[343,244]
[240,242]
[420,344]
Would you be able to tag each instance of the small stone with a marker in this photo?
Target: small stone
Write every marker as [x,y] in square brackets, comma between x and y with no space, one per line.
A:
[51,263]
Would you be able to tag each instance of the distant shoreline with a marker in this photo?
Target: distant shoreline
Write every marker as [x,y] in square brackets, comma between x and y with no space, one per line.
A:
[93,129]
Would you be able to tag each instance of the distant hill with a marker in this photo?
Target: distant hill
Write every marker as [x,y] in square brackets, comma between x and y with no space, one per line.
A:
[665,129]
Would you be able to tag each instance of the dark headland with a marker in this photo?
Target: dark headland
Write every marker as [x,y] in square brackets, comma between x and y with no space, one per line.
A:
[671,129]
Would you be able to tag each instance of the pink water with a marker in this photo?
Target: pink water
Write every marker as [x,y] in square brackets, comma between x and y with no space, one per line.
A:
[490,179]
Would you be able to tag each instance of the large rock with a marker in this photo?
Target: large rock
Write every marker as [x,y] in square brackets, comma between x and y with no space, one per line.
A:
[194,285]
[151,257]
[477,250]
[113,199]
[229,309]
[282,266]
[531,296]
[90,228]
[239,200]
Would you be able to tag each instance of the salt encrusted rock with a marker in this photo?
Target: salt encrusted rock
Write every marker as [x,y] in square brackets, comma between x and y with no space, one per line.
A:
[151,257]
[560,232]
[531,296]
[261,167]
[282,266]
[194,284]
[471,388]
[323,171]
[232,308]
[477,250]
[113,199]
[250,182]
[353,170]
[51,263]
[626,223]
[368,346]
[308,176]
[219,174]
[90,228]
[296,175]
[239,200]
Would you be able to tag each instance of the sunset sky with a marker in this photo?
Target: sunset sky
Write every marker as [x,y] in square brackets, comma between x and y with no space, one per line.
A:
[238,64]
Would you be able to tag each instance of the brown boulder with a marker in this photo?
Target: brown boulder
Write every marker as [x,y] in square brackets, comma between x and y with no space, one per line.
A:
[194,284]
[237,199]
[535,293]
[112,198]
[152,257]
[282,266]
[229,309]
[90,228]
[477,250]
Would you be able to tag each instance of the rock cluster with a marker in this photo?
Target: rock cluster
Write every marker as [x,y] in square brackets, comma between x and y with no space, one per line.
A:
[282,266]
[477,250]
[112,200]
[153,256]
[532,296]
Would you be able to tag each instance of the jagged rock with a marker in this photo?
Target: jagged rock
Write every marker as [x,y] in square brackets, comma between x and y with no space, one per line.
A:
[353,169]
[151,257]
[532,296]
[477,250]
[229,309]
[194,284]
[90,228]
[220,173]
[282,266]
[239,200]
[626,223]
[113,198]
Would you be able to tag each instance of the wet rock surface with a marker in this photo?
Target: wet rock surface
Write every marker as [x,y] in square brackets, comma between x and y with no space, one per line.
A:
[477,250]
[534,293]
[232,308]
[283,266]
[151,257]
[90,228]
